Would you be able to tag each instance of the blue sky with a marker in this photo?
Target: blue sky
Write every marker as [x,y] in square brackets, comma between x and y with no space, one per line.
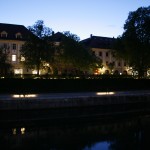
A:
[81,17]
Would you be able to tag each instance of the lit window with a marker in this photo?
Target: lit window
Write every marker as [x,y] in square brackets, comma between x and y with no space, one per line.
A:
[18,71]
[13,57]
[22,58]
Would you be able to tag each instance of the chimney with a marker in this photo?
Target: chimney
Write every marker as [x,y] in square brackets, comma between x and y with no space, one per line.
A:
[91,35]
[53,32]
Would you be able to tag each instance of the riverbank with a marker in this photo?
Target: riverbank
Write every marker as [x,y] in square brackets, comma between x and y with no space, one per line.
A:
[72,107]
[72,85]
[28,100]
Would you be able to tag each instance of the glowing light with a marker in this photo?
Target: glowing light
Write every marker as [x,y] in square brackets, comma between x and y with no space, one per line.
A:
[18,71]
[24,95]
[14,131]
[105,93]
[34,72]
[22,130]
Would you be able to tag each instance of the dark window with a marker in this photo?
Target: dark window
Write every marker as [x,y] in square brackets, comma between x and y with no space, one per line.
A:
[18,36]
[14,46]
[3,35]
[106,71]
[93,52]
[106,54]
[100,53]
[119,64]
[116,72]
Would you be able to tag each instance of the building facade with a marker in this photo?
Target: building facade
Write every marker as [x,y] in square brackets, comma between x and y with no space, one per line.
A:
[102,47]
[12,37]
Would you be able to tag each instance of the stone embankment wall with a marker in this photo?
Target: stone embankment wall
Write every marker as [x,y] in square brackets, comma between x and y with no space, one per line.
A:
[79,102]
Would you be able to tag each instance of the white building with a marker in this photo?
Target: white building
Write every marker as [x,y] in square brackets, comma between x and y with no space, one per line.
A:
[102,47]
[12,37]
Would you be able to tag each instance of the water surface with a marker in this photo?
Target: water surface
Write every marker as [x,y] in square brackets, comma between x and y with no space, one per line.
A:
[115,134]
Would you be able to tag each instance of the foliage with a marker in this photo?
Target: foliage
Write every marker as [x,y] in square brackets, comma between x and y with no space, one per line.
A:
[37,50]
[4,65]
[73,55]
[134,44]
[40,30]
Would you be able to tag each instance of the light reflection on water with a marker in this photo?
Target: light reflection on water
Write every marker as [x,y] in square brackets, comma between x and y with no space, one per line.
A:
[98,146]
[128,134]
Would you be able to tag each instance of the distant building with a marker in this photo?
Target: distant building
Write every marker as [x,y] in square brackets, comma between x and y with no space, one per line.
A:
[12,37]
[102,47]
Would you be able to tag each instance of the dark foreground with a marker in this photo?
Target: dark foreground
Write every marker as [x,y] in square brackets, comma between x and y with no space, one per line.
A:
[71,85]
[123,133]
[125,125]
[26,112]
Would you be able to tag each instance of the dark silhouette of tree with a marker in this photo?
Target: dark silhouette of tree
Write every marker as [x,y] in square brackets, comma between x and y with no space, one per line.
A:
[134,44]
[5,66]
[74,56]
[111,66]
[37,50]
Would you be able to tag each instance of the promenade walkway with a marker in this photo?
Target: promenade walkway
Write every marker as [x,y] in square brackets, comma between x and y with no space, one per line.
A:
[50,96]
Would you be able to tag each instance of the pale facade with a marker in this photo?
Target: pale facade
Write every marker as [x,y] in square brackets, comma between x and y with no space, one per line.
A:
[102,48]
[12,37]
[110,64]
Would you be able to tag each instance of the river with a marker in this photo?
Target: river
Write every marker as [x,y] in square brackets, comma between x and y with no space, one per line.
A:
[129,133]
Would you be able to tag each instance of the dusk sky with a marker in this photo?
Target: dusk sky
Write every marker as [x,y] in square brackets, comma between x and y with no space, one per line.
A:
[81,17]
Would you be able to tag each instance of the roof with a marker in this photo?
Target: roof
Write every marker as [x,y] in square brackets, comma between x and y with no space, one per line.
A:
[98,42]
[57,37]
[13,29]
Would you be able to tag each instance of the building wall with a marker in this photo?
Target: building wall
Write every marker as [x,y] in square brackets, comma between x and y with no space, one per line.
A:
[107,57]
[14,57]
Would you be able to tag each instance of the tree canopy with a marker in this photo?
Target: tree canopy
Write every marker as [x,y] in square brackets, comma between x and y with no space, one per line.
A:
[37,49]
[73,55]
[5,66]
[69,54]
[134,44]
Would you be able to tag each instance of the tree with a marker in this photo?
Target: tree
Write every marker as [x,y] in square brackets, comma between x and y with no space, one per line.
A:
[74,56]
[4,65]
[111,66]
[135,41]
[37,49]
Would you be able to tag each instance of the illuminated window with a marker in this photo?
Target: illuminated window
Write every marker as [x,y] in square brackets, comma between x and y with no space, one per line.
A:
[13,57]
[18,71]
[22,58]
